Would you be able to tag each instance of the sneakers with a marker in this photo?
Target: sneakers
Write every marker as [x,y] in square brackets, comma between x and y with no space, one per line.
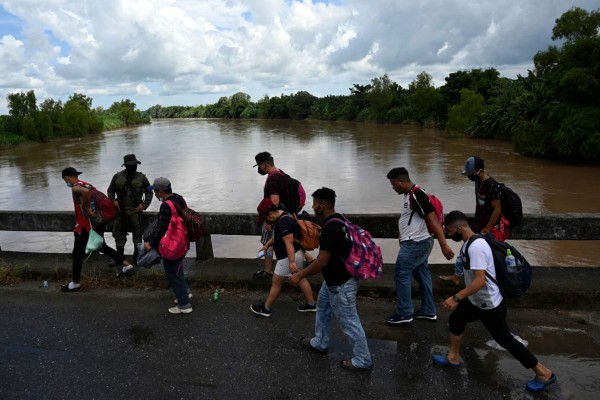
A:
[67,289]
[127,273]
[189,297]
[307,308]
[429,317]
[259,309]
[262,274]
[177,310]
[399,320]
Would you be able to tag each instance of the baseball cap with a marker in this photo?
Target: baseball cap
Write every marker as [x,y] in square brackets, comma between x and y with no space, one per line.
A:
[472,165]
[264,208]
[261,157]
[160,184]
[70,171]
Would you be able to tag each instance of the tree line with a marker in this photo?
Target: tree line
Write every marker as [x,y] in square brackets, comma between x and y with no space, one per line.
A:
[76,117]
[553,111]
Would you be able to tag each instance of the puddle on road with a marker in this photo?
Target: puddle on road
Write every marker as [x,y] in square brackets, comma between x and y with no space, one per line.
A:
[141,334]
[571,354]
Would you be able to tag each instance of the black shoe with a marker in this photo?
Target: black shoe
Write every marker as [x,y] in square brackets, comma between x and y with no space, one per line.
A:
[126,274]
[262,274]
[307,308]
[67,289]
[260,309]
[420,315]
[305,342]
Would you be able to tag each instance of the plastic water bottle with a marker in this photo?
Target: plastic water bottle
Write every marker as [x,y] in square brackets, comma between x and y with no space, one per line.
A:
[511,262]
[216,295]
[45,285]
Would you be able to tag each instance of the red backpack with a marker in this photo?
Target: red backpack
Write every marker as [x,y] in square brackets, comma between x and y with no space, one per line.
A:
[103,207]
[174,244]
[435,202]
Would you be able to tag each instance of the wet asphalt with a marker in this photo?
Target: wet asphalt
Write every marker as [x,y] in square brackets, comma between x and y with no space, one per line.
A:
[122,343]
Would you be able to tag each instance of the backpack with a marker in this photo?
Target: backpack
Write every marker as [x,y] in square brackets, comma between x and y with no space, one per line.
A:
[295,194]
[174,244]
[512,208]
[309,233]
[365,260]
[435,202]
[512,284]
[103,206]
[194,224]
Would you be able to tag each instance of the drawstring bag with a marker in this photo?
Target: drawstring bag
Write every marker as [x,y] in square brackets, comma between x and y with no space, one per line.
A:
[94,242]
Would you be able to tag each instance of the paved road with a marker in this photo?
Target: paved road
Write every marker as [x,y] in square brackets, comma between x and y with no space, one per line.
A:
[122,343]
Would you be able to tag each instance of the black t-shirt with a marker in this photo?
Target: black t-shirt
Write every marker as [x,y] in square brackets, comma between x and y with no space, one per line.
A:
[336,240]
[284,226]
[485,192]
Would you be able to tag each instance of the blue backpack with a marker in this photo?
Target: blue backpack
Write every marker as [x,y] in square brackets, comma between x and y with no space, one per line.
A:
[512,284]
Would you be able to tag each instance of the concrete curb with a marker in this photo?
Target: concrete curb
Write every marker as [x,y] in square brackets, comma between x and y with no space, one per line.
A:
[552,287]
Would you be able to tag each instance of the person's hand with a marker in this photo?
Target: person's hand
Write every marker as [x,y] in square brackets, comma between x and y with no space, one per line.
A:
[293,267]
[485,230]
[139,208]
[449,304]
[447,251]
[116,204]
[294,279]
[91,213]
[147,246]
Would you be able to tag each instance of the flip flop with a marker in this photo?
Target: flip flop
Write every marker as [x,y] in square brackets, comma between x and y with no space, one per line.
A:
[537,384]
[347,364]
[443,361]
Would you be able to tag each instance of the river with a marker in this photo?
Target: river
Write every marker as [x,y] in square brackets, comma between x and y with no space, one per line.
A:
[210,163]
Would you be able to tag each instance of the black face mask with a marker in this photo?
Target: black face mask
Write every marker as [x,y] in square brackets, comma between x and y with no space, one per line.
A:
[130,169]
[474,177]
[261,171]
[457,237]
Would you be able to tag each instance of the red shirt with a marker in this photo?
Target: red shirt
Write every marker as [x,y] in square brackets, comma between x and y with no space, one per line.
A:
[81,219]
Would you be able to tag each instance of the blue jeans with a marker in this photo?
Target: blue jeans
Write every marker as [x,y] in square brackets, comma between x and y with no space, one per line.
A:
[176,279]
[412,262]
[340,301]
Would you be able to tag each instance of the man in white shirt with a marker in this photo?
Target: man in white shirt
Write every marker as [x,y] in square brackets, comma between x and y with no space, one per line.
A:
[481,300]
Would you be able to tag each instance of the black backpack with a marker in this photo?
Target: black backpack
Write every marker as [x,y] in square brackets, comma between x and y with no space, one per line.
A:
[295,194]
[511,284]
[511,205]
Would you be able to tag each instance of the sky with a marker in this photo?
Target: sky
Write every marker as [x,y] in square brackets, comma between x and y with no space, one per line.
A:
[191,52]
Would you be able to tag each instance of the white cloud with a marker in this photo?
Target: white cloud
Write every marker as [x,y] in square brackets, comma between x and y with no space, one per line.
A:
[201,50]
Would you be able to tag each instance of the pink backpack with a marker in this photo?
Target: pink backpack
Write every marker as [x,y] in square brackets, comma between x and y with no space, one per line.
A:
[435,202]
[174,244]
[365,260]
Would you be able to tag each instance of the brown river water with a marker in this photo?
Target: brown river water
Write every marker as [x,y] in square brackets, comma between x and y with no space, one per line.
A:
[210,163]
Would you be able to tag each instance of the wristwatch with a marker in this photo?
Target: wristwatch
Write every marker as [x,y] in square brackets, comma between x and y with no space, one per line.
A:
[455,298]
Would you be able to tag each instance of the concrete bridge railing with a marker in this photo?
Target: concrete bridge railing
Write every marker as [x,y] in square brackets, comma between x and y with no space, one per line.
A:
[534,227]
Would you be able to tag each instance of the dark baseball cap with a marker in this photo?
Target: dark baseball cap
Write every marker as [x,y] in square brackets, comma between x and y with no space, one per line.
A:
[70,171]
[472,165]
[261,157]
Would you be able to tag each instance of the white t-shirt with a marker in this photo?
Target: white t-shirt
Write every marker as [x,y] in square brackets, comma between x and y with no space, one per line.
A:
[411,225]
[481,258]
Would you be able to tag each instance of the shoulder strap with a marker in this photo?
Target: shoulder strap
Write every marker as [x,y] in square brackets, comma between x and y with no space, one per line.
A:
[466,253]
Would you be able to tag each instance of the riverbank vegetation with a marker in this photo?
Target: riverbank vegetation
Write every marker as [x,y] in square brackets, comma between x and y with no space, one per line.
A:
[51,118]
[553,111]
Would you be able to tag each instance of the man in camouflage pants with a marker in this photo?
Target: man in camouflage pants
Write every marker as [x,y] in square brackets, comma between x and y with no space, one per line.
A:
[129,191]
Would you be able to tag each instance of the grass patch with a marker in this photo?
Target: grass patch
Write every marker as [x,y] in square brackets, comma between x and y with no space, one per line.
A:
[8,139]
[12,273]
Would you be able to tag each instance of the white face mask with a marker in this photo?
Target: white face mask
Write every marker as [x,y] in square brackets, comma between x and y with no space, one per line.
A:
[161,199]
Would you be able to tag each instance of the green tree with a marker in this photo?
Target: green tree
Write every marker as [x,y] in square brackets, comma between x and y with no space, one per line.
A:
[381,96]
[299,105]
[462,115]
[426,101]
[237,104]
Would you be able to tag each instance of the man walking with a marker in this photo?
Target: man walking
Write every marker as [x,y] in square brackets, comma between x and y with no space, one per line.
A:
[275,190]
[290,258]
[481,300]
[488,208]
[82,204]
[129,191]
[337,296]
[416,243]
[171,202]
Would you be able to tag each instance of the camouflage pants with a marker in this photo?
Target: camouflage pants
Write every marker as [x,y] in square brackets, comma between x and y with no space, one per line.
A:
[130,222]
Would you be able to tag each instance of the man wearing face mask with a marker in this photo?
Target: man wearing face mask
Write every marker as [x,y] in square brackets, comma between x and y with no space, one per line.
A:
[129,191]
[488,208]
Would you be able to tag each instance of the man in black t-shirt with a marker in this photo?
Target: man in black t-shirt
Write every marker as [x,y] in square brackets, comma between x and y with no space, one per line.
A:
[290,257]
[338,292]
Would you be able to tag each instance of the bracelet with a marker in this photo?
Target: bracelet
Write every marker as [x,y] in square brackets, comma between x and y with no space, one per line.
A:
[455,298]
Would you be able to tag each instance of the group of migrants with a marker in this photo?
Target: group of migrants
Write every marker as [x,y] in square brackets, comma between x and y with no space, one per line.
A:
[480,299]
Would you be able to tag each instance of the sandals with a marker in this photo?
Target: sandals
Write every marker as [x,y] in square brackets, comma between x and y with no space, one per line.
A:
[305,342]
[443,361]
[537,384]
[347,364]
